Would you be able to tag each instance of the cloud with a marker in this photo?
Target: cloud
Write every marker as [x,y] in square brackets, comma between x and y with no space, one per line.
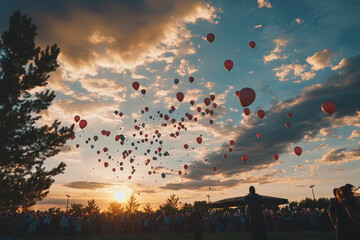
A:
[185,68]
[263,3]
[275,54]
[341,64]
[341,155]
[103,88]
[86,185]
[258,26]
[340,88]
[296,70]
[354,134]
[299,20]
[320,59]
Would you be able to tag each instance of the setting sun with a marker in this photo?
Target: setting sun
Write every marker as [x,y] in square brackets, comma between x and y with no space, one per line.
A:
[120,196]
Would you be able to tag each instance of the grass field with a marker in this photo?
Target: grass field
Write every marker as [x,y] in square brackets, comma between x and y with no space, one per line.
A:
[208,236]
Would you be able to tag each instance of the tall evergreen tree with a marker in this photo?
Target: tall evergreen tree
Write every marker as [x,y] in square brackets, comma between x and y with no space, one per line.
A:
[132,205]
[24,145]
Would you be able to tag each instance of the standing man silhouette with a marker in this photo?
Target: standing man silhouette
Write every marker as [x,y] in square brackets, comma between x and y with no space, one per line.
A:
[254,209]
[196,219]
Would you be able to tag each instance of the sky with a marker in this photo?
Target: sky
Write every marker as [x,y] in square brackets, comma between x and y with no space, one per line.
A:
[307,52]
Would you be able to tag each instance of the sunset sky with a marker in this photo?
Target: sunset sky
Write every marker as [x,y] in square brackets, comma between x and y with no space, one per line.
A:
[306,52]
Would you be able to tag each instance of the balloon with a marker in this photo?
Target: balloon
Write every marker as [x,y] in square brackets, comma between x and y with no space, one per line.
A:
[237,93]
[186,146]
[246,111]
[199,140]
[77,145]
[225,156]
[105,149]
[77,118]
[258,135]
[106,164]
[287,125]
[289,115]
[143,91]
[211,121]
[163,175]
[210,37]
[246,96]
[230,149]
[82,123]
[207,101]
[96,138]
[191,79]
[252,44]
[214,169]
[135,85]
[192,102]
[129,177]
[298,151]
[261,114]
[328,107]
[72,137]
[214,105]
[198,109]
[149,172]
[176,81]
[212,97]
[228,64]
[180,96]
[244,157]
[232,142]
[186,166]
[179,172]
[276,157]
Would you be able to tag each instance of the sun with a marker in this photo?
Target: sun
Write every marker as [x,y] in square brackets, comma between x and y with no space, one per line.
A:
[120,196]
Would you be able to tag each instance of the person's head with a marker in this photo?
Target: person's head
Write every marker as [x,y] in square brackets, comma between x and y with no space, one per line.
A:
[334,191]
[251,189]
[344,194]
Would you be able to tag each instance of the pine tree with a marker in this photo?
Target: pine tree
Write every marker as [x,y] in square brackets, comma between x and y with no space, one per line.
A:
[115,208]
[76,208]
[132,205]
[92,207]
[24,145]
[170,207]
[147,208]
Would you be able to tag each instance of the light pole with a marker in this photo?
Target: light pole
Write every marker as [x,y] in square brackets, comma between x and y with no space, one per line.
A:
[67,203]
[312,189]
[208,196]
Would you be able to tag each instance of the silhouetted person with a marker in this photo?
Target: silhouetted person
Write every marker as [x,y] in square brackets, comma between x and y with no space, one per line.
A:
[254,209]
[334,212]
[196,223]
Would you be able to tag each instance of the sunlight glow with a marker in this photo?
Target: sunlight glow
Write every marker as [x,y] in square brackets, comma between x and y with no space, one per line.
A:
[120,196]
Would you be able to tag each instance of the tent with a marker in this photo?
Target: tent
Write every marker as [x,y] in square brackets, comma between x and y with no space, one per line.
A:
[240,202]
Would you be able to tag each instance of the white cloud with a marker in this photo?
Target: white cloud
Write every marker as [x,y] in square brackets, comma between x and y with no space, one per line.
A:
[185,69]
[258,26]
[320,59]
[233,109]
[297,70]
[209,85]
[341,64]
[354,134]
[299,20]
[263,3]
[275,54]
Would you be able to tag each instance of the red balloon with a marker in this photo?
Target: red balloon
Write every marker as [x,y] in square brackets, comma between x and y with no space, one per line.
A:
[149,172]
[77,118]
[82,123]
[287,125]
[214,105]
[214,169]
[225,156]
[252,44]
[237,93]
[146,109]
[211,121]
[228,64]
[105,149]
[103,132]
[212,97]
[244,157]
[298,151]
[210,37]
[207,101]
[261,114]
[191,79]
[77,145]
[129,177]
[180,96]
[230,149]
[113,169]
[135,85]
[246,111]
[276,157]
[72,137]
[192,102]
[143,91]
[186,146]
[186,166]
[258,135]
[106,164]
[179,172]
[328,107]
[289,115]
[246,97]
[198,109]
[232,142]
[199,140]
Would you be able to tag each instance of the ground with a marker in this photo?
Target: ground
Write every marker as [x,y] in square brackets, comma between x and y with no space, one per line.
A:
[209,236]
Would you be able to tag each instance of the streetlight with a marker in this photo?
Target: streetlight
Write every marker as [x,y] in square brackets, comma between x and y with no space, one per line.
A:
[208,196]
[312,189]
[67,204]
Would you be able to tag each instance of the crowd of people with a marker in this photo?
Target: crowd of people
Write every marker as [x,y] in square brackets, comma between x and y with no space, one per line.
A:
[58,223]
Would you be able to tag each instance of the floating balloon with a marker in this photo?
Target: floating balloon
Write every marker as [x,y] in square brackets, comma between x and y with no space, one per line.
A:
[298,151]
[261,114]
[77,118]
[258,135]
[186,146]
[95,138]
[199,140]
[135,85]
[244,157]
[246,111]
[143,91]
[287,125]
[72,137]
[212,97]
[176,81]
[163,175]
[214,169]
[105,149]
[276,157]
[186,166]
[179,172]
[207,101]
[228,64]
[180,96]
[252,44]
[289,115]
[232,142]
[191,79]
[192,102]
[82,123]
[246,96]
[210,37]
[328,107]
[106,164]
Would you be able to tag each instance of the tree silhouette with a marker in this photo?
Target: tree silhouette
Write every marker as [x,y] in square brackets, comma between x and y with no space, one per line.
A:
[24,144]
[115,208]
[76,208]
[92,207]
[147,208]
[170,207]
[132,205]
